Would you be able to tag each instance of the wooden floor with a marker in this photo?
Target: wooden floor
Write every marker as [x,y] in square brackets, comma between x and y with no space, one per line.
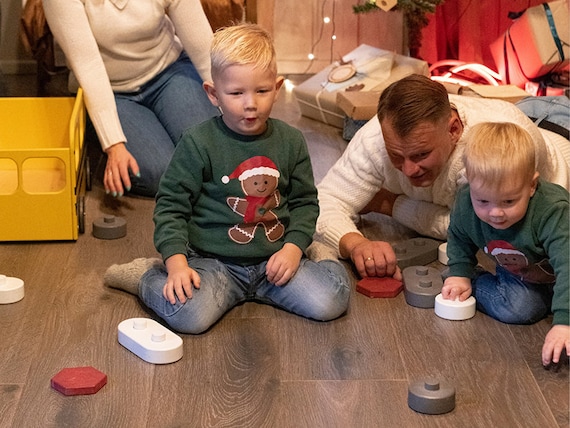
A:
[259,366]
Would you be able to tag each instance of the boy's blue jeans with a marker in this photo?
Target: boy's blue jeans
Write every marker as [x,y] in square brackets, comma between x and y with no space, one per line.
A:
[506,298]
[318,290]
[154,118]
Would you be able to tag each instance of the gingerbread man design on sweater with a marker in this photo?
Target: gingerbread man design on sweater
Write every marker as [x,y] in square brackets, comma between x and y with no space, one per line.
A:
[516,262]
[259,177]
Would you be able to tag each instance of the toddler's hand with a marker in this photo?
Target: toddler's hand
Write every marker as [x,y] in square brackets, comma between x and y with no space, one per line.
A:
[283,264]
[456,286]
[556,340]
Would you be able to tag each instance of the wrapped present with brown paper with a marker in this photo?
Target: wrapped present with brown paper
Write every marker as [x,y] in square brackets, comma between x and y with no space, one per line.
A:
[365,69]
[536,44]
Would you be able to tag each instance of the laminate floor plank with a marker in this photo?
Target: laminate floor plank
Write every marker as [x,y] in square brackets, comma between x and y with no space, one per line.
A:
[554,382]
[233,379]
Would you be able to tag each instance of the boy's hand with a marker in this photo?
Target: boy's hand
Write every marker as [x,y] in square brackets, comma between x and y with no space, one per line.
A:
[283,264]
[181,279]
[456,286]
[556,340]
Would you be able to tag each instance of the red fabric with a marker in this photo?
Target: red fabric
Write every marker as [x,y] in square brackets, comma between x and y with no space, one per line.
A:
[464,29]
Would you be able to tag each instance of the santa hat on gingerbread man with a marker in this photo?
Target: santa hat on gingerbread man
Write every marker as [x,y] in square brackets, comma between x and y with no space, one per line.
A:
[497,247]
[257,165]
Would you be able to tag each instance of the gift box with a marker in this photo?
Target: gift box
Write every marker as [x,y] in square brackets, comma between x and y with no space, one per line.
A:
[535,45]
[365,69]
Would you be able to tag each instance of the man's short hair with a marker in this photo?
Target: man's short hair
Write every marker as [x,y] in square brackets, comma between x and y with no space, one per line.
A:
[412,100]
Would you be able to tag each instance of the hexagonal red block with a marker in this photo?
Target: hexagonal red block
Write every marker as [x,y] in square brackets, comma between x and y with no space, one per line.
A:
[379,287]
[79,381]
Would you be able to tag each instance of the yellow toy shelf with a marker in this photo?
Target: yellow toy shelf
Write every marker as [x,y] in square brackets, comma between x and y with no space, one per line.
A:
[44,171]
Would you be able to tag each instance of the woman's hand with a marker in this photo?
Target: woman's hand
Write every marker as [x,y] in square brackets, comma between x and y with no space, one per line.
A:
[119,163]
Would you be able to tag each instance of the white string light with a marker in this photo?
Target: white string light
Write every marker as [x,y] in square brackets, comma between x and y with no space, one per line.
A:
[326,20]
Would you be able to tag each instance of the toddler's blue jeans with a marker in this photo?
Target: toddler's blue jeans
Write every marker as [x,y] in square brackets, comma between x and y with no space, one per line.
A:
[318,290]
[506,298]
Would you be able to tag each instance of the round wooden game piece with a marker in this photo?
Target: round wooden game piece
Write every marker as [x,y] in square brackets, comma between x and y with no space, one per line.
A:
[454,309]
[11,289]
[431,396]
[109,227]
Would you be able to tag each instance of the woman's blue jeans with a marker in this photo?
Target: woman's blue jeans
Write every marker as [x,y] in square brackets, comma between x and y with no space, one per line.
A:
[506,298]
[154,118]
[318,290]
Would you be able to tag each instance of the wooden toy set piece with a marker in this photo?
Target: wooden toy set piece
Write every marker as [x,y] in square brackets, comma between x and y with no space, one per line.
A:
[431,397]
[150,341]
[416,252]
[386,287]
[44,171]
[454,309]
[79,381]
[421,285]
[442,254]
[11,289]
[109,227]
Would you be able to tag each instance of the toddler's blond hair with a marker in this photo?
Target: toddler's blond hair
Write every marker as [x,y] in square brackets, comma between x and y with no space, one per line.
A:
[242,44]
[497,152]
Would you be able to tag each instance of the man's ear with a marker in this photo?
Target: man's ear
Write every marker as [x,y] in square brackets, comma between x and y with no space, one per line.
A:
[211,92]
[455,127]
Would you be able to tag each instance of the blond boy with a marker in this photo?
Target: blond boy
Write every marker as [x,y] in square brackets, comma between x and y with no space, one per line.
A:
[521,222]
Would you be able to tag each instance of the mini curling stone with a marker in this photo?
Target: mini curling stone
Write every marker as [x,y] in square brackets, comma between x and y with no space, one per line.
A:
[431,397]
[109,227]
[454,309]
[11,289]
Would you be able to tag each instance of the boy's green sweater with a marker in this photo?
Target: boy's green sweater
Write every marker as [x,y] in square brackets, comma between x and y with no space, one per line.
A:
[536,248]
[202,196]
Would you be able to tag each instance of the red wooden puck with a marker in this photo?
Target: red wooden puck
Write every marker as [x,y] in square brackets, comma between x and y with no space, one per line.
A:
[379,287]
[78,381]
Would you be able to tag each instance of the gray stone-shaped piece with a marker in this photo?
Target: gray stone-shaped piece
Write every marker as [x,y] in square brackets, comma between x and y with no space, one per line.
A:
[421,285]
[109,227]
[431,397]
[416,252]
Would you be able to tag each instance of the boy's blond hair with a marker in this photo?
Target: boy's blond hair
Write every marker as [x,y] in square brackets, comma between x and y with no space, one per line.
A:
[496,153]
[242,44]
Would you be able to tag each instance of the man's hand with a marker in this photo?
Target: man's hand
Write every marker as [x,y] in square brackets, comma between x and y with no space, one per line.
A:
[370,258]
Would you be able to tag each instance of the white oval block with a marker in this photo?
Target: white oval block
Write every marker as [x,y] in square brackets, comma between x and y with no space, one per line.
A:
[454,309]
[150,340]
[11,289]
